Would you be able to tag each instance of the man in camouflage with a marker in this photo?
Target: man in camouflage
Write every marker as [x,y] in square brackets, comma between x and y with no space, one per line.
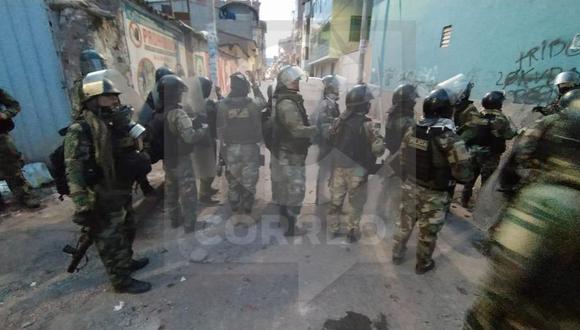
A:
[102,162]
[433,156]
[240,132]
[564,82]
[487,134]
[324,115]
[11,163]
[206,156]
[533,279]
[172,126]
[291,139]
[358,144]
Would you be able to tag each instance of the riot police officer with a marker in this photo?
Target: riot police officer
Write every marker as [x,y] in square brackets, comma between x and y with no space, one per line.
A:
[291,139]
[174,137]
[358,144]
[102,162]
[11,164]
[486,135]
[205,156]
[325,114]
[564,82]
[240,132]
[533,279]
[401,116]
[433,156]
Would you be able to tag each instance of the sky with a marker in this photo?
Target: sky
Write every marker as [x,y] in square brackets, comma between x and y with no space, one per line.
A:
[278,15]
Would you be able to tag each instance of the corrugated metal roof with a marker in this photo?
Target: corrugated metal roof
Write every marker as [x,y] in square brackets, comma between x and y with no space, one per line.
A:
[31,72]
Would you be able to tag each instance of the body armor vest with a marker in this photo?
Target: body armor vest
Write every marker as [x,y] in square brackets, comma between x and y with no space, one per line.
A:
[242,121]
[423,162]
[352,141]
[485,138]
[282,137]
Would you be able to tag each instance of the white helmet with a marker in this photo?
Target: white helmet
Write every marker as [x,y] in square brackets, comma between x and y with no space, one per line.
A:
[289,74]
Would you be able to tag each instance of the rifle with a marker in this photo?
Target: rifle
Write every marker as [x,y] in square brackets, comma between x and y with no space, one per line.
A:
[83,244]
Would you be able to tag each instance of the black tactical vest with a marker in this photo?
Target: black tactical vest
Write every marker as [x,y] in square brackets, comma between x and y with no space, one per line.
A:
[242,121]
[352,141]
[423,162]
[485,138]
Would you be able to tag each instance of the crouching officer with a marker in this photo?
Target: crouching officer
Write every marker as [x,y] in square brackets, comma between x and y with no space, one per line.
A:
[102,162]
[173,139]
[11,163]
[358,144]
[433,156]
[240,131]
[291,140]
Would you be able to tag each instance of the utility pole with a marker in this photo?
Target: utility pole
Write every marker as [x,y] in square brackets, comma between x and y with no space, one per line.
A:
[363,41]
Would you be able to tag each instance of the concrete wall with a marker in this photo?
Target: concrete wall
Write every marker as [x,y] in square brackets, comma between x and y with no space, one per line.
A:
[517,45]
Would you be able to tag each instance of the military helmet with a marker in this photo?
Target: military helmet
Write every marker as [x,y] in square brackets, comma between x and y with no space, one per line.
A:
[437,104]
[331,84]
[359,95]
[289,74]
[239,84]
[170,89]
[91,61]
[206,86]
[566,81]
[95,84]
[571,99]
[162,72]
[493,100]
[405,93]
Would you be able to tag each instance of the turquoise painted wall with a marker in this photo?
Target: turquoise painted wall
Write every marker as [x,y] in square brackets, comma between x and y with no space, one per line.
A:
[516,45]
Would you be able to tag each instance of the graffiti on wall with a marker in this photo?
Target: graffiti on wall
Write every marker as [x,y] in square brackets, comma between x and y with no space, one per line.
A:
[424,78]
[530,82]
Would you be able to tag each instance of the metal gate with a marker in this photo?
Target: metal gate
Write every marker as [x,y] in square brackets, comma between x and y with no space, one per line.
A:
[31,72]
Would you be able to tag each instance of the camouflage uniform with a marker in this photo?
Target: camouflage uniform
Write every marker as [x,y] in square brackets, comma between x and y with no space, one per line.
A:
[113,227]
[292,133]
[326,112]
[533,280]
[428,175]
[349,176]
[209,117]
[487,133]
[11,164]
[75,99]
[240,131]
[180,185]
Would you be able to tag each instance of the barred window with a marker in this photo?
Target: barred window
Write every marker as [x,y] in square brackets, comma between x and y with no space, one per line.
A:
[446,36]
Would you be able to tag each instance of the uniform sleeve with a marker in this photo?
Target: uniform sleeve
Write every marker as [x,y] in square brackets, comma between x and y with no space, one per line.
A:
[289,116]
[259,99]
[457,155]
[375,139]
[502,128]
[77,149]
[10,107]
[523,161]
[181,124]
[324,120]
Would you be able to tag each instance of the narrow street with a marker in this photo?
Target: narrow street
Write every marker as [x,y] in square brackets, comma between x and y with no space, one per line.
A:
[235,277]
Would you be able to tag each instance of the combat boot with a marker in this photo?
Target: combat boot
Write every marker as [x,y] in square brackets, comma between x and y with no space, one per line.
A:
[422,267]
[133,286]
[398,254]
[137,264]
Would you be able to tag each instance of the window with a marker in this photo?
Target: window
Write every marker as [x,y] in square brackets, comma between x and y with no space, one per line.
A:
[446,36]
[355,26]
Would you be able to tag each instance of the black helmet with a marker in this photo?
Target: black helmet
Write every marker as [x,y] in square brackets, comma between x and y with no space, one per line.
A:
[405,94]
[239,84]
[331,85]
[170,89]
[437,104]
[91,61]
[493,100]
[206,85]
[570,97]
[162,72]
[359,95]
